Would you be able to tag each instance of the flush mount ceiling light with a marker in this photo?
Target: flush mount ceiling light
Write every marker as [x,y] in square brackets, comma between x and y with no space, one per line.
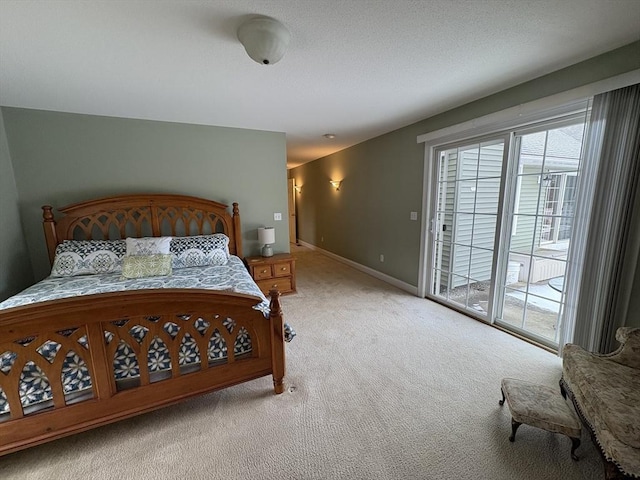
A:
[264,38]
[330,136]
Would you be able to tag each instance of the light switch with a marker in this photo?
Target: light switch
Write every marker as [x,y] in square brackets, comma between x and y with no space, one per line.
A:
[413,216]
[277,216]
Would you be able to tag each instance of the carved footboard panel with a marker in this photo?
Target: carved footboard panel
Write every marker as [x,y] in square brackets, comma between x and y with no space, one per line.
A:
[97,359]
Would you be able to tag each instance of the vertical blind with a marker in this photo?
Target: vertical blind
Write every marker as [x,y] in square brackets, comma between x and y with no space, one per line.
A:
[610,249]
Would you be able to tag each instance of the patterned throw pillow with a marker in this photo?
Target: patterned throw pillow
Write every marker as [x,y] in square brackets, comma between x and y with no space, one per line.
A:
[139,266]
[148,246]
[88,257]
[200,250]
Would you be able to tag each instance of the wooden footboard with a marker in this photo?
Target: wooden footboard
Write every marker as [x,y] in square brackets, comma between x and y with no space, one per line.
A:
[89,329]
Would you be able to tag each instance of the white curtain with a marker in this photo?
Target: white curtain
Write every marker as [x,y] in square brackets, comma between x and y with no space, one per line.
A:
[611,247]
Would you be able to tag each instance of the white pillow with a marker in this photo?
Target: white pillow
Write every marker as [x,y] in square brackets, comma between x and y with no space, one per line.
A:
[200,250]
[88,257]
[148,246]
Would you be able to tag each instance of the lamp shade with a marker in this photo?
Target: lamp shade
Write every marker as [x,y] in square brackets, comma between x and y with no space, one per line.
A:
[265,39]
[267,235]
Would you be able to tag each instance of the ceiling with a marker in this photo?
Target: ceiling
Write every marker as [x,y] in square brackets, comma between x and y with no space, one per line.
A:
[356,68]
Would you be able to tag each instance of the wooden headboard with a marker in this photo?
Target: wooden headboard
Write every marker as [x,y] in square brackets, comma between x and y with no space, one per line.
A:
[146,215]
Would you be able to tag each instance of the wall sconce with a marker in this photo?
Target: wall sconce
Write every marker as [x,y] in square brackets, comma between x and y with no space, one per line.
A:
[297,188]
[335,184]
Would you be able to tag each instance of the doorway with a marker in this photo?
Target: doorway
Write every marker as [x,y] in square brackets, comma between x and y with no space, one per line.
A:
[291,192]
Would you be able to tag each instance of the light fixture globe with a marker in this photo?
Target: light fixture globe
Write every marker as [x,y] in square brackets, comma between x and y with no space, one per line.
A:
[265,39]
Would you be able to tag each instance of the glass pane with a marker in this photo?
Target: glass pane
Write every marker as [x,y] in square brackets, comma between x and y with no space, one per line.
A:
[490,160]
[568,208]
[479,294]
[546,229]
[532,148]
[528,193]
[469,161]
[521,241]
[463,231]
[488,195]
[517,269]
[484,231]
[461,255]
[563,147]
[459,290]
[542,317]
[481,264]
[513,308]
[545,268]
[466,196]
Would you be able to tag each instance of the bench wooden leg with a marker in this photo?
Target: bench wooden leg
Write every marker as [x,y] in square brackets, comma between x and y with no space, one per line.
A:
[575,443]
[514,427]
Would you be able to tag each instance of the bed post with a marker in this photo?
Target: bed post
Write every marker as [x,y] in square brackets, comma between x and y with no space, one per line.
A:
[49,225]
[237,235]
[277,341]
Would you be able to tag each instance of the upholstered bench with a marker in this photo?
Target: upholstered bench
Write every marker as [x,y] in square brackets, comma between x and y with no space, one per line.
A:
[540,406]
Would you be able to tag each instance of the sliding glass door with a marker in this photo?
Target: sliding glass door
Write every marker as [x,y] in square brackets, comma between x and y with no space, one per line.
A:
[502,225]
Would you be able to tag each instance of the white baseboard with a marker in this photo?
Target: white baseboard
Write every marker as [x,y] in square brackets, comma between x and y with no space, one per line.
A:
[368,270]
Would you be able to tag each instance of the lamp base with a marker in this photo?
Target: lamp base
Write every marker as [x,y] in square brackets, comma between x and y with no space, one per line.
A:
[267,251]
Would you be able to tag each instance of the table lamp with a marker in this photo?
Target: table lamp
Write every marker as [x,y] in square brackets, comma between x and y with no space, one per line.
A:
[267,237]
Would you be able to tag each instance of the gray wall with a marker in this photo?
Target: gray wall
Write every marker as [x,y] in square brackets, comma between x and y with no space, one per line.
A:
[382,177]
[15,264]
[61,158]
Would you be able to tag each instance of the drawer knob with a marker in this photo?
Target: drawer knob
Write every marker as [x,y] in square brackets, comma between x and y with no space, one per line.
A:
[283,269]
[263,271]
[275,285]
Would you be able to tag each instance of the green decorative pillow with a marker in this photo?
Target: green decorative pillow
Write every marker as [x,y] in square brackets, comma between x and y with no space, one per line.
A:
[140,266]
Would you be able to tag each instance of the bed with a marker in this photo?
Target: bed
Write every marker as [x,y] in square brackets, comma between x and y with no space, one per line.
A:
[84,348]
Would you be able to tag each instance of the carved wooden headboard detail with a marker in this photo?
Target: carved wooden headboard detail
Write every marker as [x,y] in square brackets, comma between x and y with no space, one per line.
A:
[146,215]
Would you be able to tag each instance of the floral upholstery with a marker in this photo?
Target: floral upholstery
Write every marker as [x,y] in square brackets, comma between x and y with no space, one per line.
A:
[606,390]
[540,406]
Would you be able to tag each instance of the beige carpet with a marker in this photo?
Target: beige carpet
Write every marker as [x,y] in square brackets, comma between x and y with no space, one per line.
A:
[380,385]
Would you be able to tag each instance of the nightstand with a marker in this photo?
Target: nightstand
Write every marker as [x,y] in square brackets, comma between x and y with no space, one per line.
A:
[277,272]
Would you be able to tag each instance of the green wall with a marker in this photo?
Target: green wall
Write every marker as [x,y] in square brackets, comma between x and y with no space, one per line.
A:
[382,177]
[15,265]
[61,158]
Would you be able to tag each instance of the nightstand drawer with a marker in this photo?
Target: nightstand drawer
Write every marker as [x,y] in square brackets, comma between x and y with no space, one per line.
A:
[262,271]
[281,269]
[283,285]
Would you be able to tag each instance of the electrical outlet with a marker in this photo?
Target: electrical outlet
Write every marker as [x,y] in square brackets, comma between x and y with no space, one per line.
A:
[382,257]
[413,216]
[277,216]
